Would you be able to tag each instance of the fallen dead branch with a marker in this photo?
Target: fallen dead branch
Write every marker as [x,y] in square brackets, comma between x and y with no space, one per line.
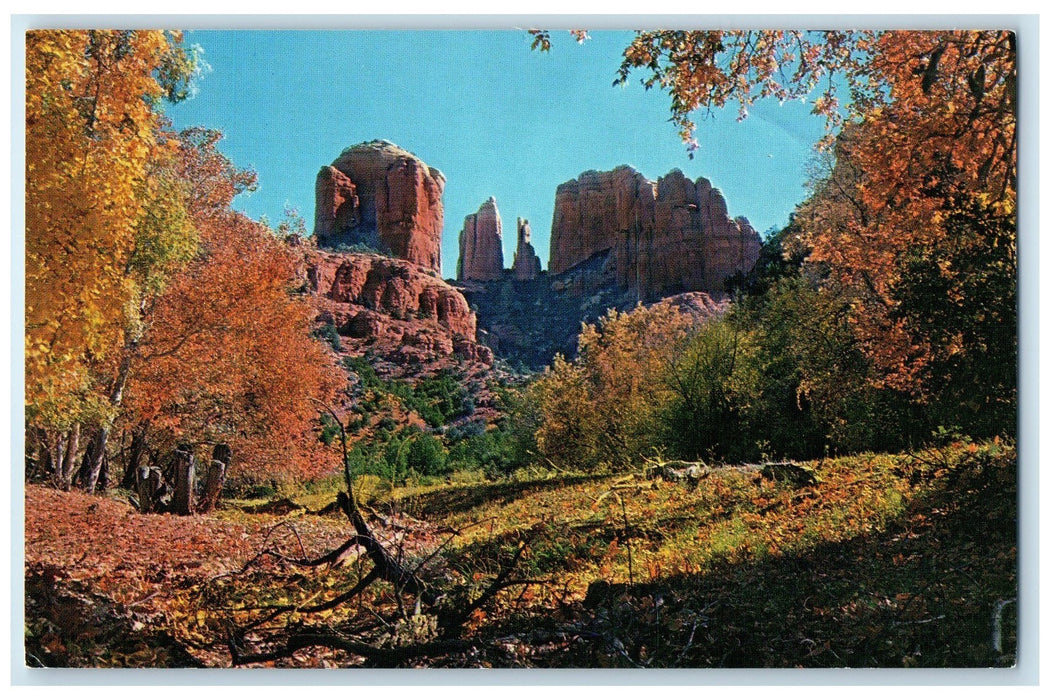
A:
[449,609]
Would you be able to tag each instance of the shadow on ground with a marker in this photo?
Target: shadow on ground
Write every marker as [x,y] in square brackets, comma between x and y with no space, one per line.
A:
[460,499]
[925,591]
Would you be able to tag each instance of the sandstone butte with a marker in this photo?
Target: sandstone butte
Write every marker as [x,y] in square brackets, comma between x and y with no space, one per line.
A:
[379,196]
[617,238]
[652,239]
[526,263]
[395,308]
[481,245]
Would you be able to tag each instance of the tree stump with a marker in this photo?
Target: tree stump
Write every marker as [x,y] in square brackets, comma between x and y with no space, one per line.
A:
[154,494]
[220,462]
[185,474]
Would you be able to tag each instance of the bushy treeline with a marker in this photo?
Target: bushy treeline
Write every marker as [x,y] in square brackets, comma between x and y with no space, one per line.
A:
[784,374]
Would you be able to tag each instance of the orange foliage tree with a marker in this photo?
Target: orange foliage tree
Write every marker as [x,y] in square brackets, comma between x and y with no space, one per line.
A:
[928,131]
[224,353]
[229,357]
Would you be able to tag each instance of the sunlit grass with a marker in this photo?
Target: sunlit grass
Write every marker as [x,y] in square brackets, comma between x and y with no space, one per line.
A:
[849,551]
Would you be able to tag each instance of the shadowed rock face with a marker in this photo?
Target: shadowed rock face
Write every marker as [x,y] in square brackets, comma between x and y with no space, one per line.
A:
[382,197]
[527,322]
[650,239]
[481,245]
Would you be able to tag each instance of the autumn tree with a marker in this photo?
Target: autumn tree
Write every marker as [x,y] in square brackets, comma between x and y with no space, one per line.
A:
[926,136]
[958,301]
[936,96]
[166,239]
[230,358]
[603,409]
[186,181]
[223,354]
[91,134]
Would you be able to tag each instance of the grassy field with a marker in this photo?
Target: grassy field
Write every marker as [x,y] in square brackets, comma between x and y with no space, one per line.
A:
[886,561]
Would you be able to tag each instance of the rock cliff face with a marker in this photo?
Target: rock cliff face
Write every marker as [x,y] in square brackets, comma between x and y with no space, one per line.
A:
[617,239]
[396,309]
[526,262]
[481,245]
[651,240]
[381,196]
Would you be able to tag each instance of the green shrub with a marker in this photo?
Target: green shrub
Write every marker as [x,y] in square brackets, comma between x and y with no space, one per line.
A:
[328,332]
[711,377]
[437,400]
[329,429]
[427,456]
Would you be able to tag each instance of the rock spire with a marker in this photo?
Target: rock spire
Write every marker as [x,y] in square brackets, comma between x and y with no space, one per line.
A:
[481,245]
[526,262]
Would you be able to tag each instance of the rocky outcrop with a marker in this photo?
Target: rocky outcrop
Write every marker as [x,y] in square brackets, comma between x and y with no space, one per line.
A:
[481,245]
[593,211]
[526,262]
[618,229]
[395,309]
[700,306]
[338,207]
[617,239]
[378,196]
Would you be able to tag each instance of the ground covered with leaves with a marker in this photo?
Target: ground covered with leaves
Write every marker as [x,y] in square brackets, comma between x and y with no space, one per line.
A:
[885,561]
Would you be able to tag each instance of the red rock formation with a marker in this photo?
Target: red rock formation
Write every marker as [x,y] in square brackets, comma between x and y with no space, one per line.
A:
[481,245]
[338,207]
[379,195]
[526,262]
[590,211]
[652,239]
[400,311]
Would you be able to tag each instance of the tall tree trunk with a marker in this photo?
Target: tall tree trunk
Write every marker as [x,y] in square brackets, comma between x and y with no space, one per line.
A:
[185,468]
[115,398]
[138,451]
[103,474]
[66,478]
[220,462]
[81,477]
[56,449]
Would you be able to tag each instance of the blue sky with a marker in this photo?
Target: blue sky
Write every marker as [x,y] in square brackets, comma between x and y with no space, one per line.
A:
[496,117]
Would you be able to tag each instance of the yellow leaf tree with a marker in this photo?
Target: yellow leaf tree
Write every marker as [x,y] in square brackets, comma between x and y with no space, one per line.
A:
[91,133]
